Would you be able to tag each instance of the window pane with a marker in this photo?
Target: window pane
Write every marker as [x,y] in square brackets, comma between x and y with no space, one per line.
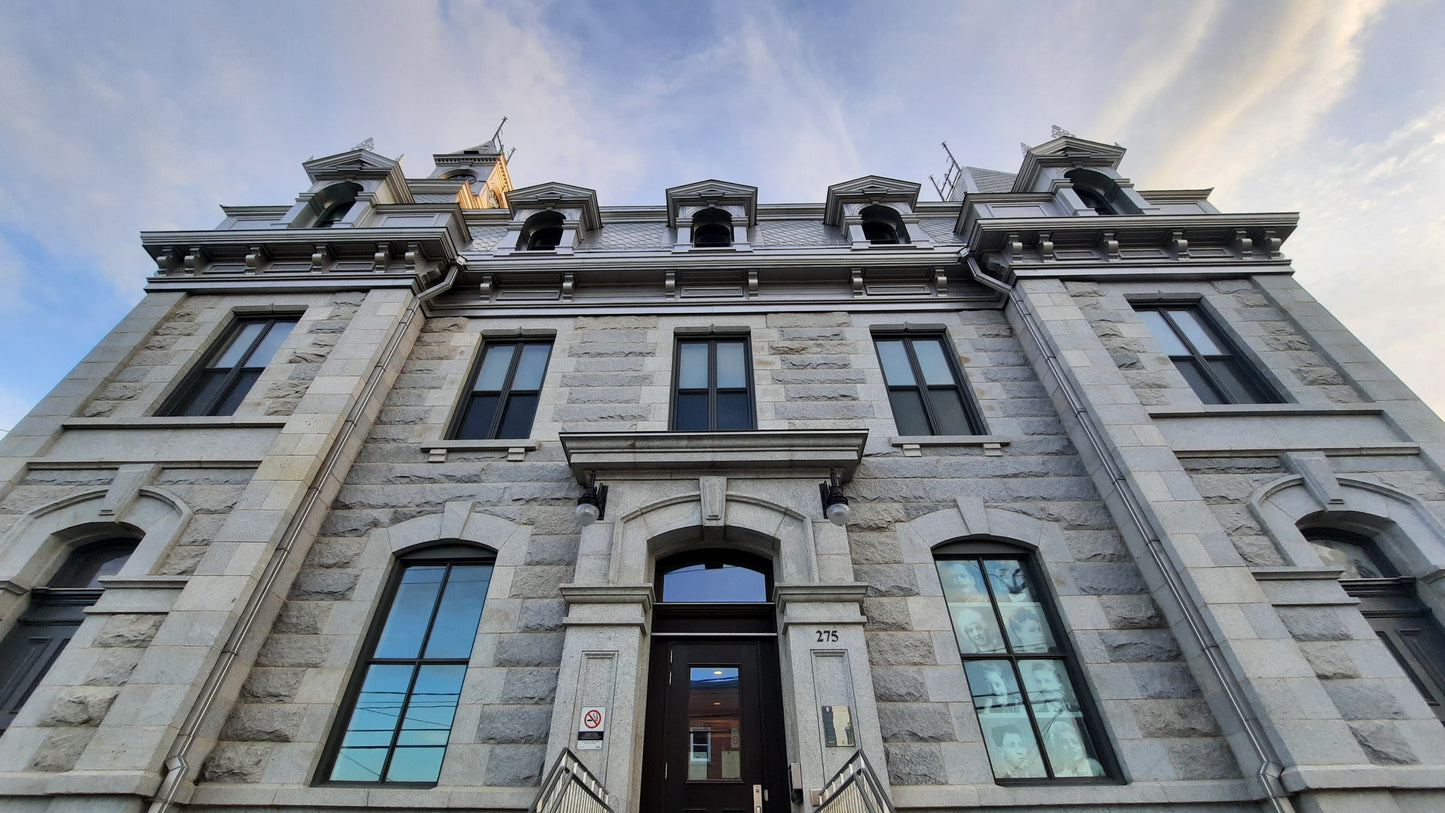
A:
[932,361]
[718,583]
[1163,333]
[358,764]
[433,704]
[1069,750]
[237,393]
[207,387]
[231,356]
[416,764]
[961,581]
[896,370]
[274,337]
[1027,630]
[732,368]
[691,411]
[532,367]
[948,412]
[976,628]
[1197,381]
[411,609]
[714,719]
[692,365]
[1241,389]
[1010,580]
[908,412]
[460,610]
[733,412]
[493,373]
[1011,746]
[994,688]
[1198,335]
[477,420]
[517,420]
[1050,692]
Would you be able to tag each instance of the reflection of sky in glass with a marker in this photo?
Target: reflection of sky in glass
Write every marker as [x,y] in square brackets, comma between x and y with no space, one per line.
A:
[702,583]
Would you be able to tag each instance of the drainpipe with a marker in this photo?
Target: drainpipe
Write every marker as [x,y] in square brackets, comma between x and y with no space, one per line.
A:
[1270,767]
[178,759]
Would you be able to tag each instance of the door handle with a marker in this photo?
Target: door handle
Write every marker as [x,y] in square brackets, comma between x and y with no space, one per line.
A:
[757,799]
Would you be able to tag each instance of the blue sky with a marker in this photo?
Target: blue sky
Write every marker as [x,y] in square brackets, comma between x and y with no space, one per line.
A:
[129,116]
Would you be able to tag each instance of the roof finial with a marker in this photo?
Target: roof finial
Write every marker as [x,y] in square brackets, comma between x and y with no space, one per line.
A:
[1058,132]
[368,144]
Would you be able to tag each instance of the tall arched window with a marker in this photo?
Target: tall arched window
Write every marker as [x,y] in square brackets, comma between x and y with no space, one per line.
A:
[1020,668]
[1389,603]
[712,228]
[333,203]
[405,691]
[55,613]
[883,226]
[541,232]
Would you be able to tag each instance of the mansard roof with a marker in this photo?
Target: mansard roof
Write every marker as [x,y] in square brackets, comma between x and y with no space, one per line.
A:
[1066,151]
[873,188]
[714,192]
[557,194]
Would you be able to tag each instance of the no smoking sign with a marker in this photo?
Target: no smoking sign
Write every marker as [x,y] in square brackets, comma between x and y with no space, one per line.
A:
[591,727]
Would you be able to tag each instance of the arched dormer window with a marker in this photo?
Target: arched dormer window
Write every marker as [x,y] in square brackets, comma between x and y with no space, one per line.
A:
[882,226]
[1101,193]
[1020,668]
[333,203]
[712,228]
[541,232]
[55,613]
[405,691]
[1390,604]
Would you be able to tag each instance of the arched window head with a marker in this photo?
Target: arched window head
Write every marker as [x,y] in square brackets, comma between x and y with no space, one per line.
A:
[404,694]
[89,563]
[714,575]
[541,232]
[712,228]
[333,203]
[882,226]
[1355,555]
[1021,671]
[1101,193]
[460,175]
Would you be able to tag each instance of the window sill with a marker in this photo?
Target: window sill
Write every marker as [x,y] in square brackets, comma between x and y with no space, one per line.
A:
[912,445]
[1254,410]
[516,448]
[744,452]
[175,422]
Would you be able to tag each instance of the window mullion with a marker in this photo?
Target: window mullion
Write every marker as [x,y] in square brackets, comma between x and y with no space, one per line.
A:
[919,384]
[400,720]
[1200,361]
[506,391]
[256,342]
[712,384]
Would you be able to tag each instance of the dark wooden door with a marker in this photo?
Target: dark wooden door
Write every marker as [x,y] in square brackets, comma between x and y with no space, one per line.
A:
[714,738]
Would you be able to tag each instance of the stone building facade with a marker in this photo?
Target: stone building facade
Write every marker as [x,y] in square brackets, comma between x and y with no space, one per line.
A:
[1134,523]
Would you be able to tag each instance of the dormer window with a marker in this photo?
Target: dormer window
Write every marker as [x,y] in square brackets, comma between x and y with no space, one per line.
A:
[334,203]
[882,226]
[712,228]
[1100,193]
[542,232]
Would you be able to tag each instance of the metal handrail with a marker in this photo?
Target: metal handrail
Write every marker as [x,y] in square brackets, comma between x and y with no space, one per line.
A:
[855,788]
[571,788]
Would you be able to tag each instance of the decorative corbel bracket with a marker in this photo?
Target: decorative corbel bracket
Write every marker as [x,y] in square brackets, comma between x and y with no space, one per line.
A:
[320,258]
[1179,245]
[856,277]
[381,260]
[1109,245]
[940,282]
[256,256]
[1243,244]
[195,259]
[1046,246]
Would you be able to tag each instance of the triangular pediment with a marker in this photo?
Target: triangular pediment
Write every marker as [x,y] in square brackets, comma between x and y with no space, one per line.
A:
[556,193]
[351,162]
[713,191]
[1066,151]
[870,188]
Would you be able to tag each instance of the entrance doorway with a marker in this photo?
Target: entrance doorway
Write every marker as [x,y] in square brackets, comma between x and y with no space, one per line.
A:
[714,740]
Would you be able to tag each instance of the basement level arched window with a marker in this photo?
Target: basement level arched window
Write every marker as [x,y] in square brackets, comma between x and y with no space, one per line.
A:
[712,228]
[541,232]
[882,225]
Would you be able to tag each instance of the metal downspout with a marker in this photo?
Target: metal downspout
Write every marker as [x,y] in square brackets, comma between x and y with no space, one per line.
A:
[177,763]
[1269,767]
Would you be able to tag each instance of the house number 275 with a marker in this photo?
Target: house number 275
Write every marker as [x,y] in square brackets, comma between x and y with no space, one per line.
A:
[827,636]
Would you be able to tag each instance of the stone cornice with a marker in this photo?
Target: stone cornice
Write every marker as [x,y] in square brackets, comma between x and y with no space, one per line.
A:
[789,450]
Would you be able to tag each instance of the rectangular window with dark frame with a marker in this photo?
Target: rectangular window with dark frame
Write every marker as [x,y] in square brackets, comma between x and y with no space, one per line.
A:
[231,368]
[712,384]
[925,386]
[1206,359]
[1037,726]
[400,709]
[506,387]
